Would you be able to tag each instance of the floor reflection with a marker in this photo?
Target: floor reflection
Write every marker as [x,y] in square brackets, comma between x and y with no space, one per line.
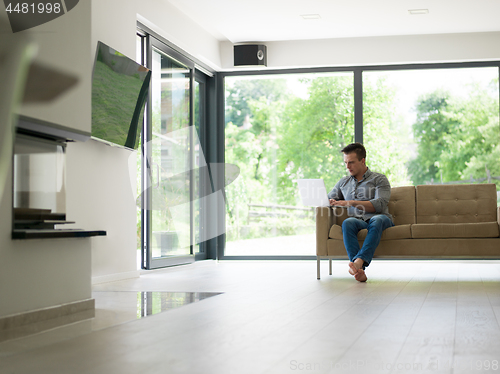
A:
[111,308]
[149,303]
[117,307]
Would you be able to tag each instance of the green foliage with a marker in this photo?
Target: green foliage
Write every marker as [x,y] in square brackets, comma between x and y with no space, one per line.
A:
[239,95]
[383,137]
[434,123]
[457,138]
[313,132]
[253,148]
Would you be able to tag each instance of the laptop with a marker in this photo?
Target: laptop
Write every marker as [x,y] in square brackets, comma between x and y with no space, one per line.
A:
[313,192]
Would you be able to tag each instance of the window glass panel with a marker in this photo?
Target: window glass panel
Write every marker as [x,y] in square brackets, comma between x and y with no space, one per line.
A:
[170,157]
[433,126]
[280,128]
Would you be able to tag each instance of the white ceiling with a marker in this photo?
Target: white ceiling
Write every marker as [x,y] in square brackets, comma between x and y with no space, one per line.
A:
[273,20]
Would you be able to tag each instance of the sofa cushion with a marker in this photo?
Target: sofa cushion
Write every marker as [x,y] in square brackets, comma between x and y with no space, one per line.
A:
[395,232]
[402,205]
[339,214]
[336,232]
[456,203]
[455,230]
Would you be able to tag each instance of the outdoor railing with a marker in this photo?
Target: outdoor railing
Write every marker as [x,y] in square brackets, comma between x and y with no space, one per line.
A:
[278,211]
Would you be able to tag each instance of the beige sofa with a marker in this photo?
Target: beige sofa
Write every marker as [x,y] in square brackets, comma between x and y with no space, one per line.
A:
[431,221]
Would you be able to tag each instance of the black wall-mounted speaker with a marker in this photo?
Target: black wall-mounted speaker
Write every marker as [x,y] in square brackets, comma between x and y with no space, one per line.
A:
[250,55]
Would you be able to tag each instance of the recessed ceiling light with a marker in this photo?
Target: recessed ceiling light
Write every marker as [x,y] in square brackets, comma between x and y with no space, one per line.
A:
[310,16]
[418,11]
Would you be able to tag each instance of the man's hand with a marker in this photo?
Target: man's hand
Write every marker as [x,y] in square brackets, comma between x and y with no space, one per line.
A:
[334,202]
[365,206]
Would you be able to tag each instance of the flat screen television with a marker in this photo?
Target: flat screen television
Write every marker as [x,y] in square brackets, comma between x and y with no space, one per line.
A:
[119,91]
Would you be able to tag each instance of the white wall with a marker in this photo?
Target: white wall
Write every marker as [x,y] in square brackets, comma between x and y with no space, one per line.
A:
[64,44]
[36,274]
[100,195]
[114,23]
[376,51]
[100,192]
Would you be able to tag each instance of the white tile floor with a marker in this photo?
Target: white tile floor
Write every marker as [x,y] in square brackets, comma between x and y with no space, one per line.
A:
[275,317]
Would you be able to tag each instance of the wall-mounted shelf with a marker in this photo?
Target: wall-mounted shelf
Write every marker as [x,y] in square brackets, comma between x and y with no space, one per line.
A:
[53,234]
[44,129]
[39,192]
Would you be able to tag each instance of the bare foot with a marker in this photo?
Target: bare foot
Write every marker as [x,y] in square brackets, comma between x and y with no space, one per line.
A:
[352,268]
[356,270]
[360,276]
[359,262]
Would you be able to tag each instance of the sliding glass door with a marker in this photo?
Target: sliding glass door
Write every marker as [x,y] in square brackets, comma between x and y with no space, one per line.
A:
[169,162]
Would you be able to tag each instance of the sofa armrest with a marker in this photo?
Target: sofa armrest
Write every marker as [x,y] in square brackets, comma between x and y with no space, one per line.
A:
[324,221]
[498,215]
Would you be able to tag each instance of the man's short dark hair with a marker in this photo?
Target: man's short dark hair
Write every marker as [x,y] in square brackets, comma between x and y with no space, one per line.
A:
[356,148]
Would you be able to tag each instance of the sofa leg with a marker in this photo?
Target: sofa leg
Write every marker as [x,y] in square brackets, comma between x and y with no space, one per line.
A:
[330,260]
[318,271]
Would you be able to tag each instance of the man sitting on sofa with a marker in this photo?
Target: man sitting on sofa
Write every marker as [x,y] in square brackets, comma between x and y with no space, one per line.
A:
[365,194]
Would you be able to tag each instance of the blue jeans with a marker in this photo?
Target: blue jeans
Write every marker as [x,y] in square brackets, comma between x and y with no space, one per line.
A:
[375,226]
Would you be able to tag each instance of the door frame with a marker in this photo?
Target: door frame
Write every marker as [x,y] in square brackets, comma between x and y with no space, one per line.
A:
[148,261]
